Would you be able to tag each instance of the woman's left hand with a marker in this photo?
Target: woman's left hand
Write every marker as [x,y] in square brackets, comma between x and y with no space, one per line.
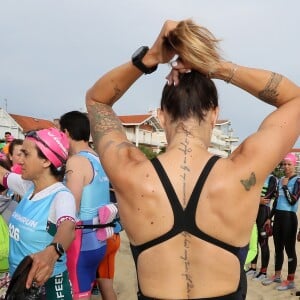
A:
[42,266]
[178,67]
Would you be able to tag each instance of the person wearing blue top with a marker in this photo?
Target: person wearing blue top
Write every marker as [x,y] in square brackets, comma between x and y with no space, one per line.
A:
[89,184]
[43,224]
[286,223]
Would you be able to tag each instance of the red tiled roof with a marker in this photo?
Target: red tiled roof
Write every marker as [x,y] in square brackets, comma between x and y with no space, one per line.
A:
[31,123]
[138,119]
[134,119]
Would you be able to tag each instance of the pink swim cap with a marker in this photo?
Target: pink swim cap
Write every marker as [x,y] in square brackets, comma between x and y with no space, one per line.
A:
[53,143]
[292,158]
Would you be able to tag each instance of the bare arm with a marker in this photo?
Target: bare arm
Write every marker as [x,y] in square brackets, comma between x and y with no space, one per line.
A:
[280,130]
[78,174]
[44,261]
[106,128]
[270,87]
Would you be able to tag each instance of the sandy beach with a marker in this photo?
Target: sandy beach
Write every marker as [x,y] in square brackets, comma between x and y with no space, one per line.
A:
[125,278]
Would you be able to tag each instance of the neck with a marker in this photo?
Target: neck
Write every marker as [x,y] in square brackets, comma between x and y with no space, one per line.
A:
[290,174]
[77,146]
[195,135]
[43,182]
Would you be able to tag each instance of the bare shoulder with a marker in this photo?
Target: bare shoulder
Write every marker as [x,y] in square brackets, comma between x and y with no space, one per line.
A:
[133,175]
[122,160]
[75,161]
[78,166]
[238,173]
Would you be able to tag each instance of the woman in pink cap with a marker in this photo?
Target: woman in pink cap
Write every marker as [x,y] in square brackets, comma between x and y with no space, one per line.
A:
[43,224]
[286,223]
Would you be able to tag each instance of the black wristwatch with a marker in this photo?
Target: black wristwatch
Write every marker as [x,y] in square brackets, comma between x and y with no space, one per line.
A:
[59,249]
[137,57]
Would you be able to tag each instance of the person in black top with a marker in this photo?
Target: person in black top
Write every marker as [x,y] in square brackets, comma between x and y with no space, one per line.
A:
[268,193]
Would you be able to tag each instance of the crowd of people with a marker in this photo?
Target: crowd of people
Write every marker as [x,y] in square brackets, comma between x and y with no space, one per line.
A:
[182,239]
[62,216]
[281,222]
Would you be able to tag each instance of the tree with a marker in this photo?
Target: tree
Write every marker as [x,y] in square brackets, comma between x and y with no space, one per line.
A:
[147,151]
[278,172]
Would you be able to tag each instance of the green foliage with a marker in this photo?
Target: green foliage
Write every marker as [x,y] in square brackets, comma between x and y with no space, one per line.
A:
[278,172]
[162,150]
[147,151]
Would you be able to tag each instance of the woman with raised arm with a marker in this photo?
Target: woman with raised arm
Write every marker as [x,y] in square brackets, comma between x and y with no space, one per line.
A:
[185,220]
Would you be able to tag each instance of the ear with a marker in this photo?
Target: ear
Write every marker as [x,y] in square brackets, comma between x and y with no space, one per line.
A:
[46,163]
[66,132]
[161,117]
[215,116]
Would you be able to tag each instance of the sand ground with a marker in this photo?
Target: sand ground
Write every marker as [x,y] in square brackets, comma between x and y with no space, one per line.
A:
[125,277]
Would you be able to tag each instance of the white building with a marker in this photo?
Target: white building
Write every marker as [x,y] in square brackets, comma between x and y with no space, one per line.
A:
[140,129]
[17,125]
[146,130]
[7,123]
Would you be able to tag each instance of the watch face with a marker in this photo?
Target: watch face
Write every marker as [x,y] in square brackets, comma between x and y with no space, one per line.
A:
[137,57]
[140,52]
[60,249]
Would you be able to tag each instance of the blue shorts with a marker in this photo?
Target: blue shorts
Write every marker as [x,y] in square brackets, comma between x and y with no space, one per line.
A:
[83,258]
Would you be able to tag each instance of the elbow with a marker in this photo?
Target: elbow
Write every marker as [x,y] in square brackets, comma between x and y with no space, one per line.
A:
[88,98]
[73,236]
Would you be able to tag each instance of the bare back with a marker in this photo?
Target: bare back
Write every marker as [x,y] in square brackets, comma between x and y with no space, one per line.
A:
[179,263]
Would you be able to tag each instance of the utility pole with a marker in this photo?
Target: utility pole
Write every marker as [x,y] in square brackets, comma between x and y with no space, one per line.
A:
[5,102]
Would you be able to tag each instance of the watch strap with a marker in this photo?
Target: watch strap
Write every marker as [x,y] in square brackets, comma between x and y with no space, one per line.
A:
[137,61]
[59,249]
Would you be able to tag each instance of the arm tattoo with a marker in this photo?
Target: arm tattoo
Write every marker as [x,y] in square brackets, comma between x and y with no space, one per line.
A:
[247,183]
[103,121]
[270,93]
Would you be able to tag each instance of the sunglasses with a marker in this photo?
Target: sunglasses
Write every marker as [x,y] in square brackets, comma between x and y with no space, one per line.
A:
[34,135]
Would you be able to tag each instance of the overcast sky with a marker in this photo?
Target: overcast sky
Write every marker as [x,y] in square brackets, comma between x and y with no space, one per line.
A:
[52,51]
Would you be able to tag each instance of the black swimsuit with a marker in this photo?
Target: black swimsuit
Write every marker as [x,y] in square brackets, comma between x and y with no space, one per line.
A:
[184,220]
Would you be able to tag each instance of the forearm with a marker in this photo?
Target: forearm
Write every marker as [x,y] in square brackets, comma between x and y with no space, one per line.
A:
[289,196]
[65,234]
[110,87]
[292,197]
[270,87]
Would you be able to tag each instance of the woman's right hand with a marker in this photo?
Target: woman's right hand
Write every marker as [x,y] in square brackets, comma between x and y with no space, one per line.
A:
[161,49]
[264,201]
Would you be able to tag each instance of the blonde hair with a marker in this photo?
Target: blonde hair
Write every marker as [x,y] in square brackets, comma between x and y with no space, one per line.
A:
[195,45]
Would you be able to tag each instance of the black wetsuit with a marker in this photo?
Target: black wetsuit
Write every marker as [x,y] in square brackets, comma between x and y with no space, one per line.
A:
[286,223]
[184,220]
[269,191]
